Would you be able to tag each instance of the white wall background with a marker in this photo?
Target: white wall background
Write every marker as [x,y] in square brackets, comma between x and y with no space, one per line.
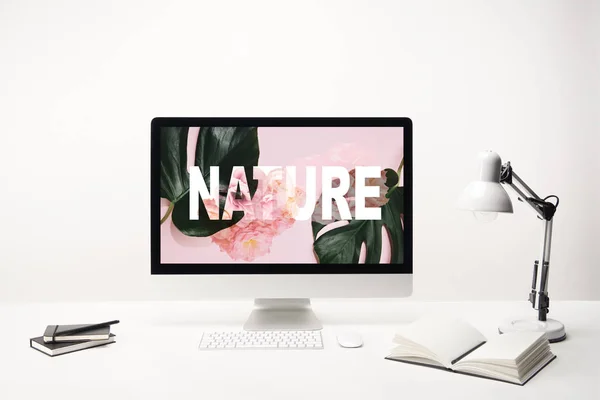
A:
[81,80]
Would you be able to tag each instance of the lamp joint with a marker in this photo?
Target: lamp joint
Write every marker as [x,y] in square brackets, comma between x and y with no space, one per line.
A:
[546,208]
[506,173]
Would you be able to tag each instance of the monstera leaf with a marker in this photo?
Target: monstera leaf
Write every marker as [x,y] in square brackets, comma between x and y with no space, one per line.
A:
[343,244]
[226,147]
[173,158]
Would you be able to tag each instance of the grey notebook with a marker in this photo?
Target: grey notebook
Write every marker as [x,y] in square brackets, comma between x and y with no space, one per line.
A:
[53,333]
[56,349]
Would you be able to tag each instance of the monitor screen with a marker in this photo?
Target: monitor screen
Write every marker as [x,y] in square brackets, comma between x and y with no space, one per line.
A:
[281,195]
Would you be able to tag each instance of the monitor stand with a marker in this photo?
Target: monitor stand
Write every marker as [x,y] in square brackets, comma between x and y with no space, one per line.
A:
[282,315]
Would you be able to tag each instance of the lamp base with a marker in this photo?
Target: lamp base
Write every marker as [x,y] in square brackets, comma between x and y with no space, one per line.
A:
[555,331]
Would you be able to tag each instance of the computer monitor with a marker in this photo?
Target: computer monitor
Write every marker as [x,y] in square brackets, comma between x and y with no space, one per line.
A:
[284,209]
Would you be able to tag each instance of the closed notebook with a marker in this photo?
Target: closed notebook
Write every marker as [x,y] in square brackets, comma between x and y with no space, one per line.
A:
[54,333]
[454,345]
[56,349]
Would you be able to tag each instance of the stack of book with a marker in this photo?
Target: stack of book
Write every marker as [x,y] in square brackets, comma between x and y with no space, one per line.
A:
[63,339]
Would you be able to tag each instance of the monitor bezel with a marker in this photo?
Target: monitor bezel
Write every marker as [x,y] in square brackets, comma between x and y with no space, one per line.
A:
[158,268]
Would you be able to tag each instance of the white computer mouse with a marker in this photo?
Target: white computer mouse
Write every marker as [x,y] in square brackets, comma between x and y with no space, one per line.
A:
[349,339]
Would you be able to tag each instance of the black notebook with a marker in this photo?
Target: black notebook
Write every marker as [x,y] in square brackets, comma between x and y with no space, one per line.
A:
[56,349]
[54,333]
[454,345]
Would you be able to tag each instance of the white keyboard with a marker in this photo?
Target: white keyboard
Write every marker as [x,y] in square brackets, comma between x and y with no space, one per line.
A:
[261,340]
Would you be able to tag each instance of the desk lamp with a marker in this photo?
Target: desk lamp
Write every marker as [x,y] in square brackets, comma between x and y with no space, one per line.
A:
[486,198]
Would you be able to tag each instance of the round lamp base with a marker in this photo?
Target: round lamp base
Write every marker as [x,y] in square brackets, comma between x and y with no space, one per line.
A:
[555,331]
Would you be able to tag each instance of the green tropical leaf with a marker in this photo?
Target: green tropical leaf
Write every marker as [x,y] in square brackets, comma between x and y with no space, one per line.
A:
[226,147]
[173,160]
[204,226]
[343,244]
[392,180]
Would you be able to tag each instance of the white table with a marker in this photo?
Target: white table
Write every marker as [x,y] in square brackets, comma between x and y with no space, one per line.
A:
[156,355]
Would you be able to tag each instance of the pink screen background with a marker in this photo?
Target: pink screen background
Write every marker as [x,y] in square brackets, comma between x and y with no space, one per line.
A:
[300,147]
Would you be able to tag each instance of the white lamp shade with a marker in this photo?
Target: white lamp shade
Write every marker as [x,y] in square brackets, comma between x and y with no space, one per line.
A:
[487,194]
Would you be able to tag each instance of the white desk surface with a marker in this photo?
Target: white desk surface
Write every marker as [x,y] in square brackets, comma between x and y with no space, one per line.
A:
[156,355]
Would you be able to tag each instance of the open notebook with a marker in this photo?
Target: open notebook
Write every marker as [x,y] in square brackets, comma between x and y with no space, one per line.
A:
[454,345]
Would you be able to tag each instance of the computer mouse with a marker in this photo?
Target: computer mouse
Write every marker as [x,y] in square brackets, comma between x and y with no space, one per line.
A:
[349,340]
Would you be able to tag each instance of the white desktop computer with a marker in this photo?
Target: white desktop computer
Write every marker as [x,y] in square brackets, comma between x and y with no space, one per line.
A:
[284,210]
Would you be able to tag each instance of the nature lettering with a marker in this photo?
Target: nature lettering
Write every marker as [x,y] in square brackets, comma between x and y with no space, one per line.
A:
[330,192]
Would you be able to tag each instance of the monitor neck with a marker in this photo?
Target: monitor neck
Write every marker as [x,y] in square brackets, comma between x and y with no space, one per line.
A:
[282,315]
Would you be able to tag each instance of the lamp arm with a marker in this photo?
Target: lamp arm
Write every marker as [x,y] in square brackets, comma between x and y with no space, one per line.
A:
[542,207]
[538,297]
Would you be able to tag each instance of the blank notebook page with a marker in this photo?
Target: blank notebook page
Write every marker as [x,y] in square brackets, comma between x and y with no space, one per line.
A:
[448,338]
[508,346]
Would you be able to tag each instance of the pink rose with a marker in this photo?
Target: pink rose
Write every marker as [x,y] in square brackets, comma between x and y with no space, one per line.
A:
[266,215]
[224,238]
[253,241]
[213,211]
